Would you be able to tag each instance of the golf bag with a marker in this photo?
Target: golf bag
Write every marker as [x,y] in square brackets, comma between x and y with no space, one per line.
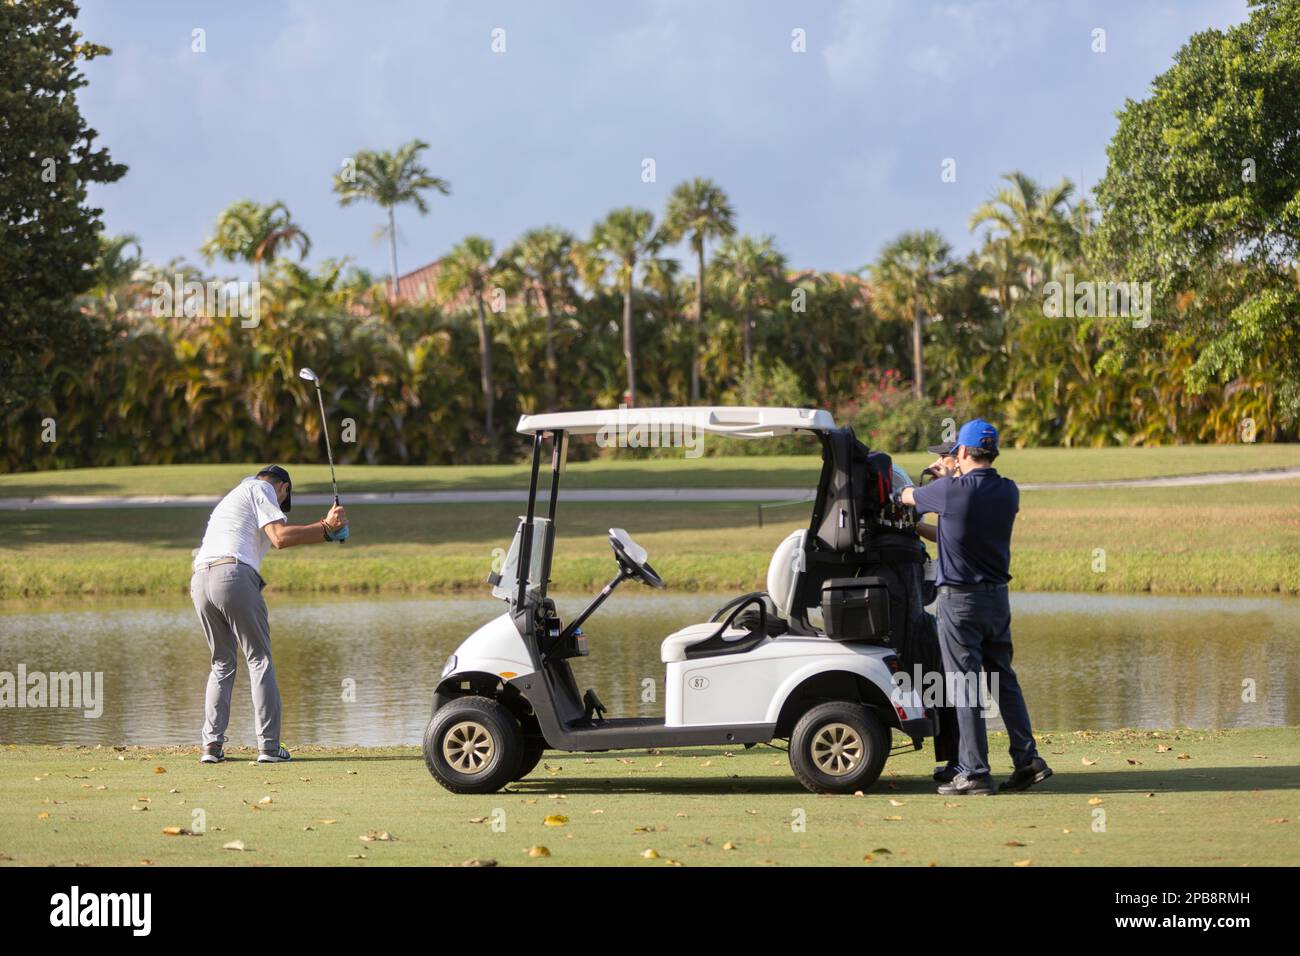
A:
[866,567]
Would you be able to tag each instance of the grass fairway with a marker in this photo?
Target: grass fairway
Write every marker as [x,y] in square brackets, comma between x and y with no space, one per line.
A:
[1128,798]
[1228,539]
[638,470]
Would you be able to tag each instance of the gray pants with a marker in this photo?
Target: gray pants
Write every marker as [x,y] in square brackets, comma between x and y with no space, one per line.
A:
[229,600]
[975,636]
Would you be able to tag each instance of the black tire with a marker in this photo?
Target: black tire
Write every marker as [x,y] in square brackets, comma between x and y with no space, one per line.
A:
[484,742]
[838,759]
[534,749]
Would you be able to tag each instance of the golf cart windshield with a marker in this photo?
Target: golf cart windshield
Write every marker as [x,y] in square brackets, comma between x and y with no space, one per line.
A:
[506,584]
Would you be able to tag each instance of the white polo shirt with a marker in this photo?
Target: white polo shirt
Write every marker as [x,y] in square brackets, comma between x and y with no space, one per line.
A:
[236,523]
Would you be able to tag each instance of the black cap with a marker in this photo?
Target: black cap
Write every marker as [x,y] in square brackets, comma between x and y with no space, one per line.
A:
[279,474]
[942,450]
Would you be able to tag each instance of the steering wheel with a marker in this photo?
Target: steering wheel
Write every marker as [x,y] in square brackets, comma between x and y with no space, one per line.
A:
[631,557]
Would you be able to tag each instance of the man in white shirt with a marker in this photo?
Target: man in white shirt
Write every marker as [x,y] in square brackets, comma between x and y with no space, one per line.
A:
[227,592]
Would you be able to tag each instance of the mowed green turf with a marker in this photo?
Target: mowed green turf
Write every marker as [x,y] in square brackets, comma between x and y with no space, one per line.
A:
[1127,798]
[632,469]
[1237,538]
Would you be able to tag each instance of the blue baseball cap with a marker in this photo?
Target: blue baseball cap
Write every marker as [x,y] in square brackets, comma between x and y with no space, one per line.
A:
[977,433]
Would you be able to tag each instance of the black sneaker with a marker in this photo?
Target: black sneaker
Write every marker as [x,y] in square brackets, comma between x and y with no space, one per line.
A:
[1036,772]
[273,756]
[213,753]
[961,785]
[945,773]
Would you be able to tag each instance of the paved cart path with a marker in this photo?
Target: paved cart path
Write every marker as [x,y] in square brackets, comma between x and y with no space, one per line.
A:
[74,502]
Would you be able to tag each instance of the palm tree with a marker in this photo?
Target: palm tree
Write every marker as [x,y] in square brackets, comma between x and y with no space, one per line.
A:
[698,208]
[1038,223]
[470,269]
[118,274]
[247,231]
[907,281]
[1004,269]
[545,260]
[389,180]
[749,270]
[625,236]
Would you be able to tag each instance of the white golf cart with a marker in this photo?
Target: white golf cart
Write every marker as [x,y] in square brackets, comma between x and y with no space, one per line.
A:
[811,660]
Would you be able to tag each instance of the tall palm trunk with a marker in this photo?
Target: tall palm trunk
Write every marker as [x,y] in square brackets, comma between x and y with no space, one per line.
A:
[699,321]
[550,350]
[629,346]
[918,368]
[392,256]
[485,368]
[749,321]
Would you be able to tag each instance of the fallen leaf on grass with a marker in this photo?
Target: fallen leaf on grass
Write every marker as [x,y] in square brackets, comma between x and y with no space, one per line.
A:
[1184,756]
[896,803]
[475,861]
[729,845]
[555,820]
[537,851]
[159,769]
[327,822]
[1134,763]
[1094,802]
[179,831]
[264,800]
[1162,749]
[42,815]
[381,836]
[893,819]
[1088,763]
[1023,863]
[650,854]
[477,819]
[234,845]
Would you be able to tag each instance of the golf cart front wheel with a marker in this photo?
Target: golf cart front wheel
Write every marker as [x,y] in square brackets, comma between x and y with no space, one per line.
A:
[838,747]
[473,745]
[533,751]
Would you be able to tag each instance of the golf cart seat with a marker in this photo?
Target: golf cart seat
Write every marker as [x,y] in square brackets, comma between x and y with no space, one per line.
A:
[749,619]
[783,574]
[677,646]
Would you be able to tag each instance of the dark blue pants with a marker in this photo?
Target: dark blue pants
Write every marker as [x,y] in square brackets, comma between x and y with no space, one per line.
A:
[975,636]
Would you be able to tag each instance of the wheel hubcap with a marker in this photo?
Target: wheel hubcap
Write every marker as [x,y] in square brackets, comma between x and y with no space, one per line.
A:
[837,749]
[468,747]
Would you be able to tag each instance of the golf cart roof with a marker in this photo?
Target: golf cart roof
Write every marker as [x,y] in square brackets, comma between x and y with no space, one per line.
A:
[738,422]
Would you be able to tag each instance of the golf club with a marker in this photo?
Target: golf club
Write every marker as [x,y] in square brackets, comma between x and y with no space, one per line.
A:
[308,375]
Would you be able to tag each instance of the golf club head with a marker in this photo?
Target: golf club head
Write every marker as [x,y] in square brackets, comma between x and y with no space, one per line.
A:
[308,375]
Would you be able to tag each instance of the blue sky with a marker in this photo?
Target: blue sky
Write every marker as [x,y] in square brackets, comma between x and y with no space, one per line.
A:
[834,151]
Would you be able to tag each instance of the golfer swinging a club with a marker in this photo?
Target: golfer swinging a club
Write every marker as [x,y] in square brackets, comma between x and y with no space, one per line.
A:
[227,592]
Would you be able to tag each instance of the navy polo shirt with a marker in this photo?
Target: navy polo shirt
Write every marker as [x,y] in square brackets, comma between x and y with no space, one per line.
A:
[976,512]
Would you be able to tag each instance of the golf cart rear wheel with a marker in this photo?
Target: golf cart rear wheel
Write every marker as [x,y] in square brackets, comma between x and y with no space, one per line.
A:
[473,745]
[838,747]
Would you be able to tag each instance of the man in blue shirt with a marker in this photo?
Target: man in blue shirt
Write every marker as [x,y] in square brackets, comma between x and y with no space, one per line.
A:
[977,508]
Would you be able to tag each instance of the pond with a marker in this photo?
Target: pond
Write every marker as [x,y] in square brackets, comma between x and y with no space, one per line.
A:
[362,670]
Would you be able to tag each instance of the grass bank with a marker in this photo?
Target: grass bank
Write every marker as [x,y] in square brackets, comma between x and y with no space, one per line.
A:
[636,470]
[1238,538]
[1127,798]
